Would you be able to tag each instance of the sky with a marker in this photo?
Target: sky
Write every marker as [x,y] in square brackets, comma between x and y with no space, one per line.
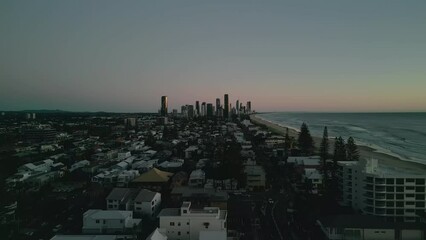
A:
[122,56]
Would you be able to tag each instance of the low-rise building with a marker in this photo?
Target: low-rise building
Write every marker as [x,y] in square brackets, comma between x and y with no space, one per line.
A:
[186,223]
[256,179]
[147,203]
[97,221]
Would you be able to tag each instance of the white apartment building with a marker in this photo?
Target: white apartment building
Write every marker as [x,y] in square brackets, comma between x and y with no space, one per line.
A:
[186,224]
[397,193]
[97,221]
[147,203]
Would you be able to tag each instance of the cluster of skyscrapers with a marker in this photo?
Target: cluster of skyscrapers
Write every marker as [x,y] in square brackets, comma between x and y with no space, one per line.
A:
[209,110]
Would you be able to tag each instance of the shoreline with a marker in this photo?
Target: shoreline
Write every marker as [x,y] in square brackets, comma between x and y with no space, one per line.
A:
[365,152]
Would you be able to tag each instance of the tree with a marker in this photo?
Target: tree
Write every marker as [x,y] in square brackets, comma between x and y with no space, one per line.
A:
[306,143]
[324,148]
[339,150]
[287,144]
[352,153]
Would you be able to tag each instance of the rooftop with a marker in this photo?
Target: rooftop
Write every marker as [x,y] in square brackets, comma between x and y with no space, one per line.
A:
[145,196]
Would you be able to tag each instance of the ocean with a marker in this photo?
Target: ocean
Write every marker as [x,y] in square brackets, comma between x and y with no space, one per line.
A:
[402,135]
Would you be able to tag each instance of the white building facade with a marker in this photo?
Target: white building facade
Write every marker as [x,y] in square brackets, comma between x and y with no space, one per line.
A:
[394,192]
[186,223]
[97,221]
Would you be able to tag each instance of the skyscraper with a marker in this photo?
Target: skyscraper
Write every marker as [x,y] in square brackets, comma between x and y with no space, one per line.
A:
[217,106]
[209,110]
[237,106]
[197,108]
[203,109]
[164,105]
[226,106]
[248,109]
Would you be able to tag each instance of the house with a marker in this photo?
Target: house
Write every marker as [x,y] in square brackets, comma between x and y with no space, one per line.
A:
[40,166]
[314,178]
[147,203]
[97,221]
[186,223]
[157,234]
[190,151]
[197,178]
[118,199]
[154,179]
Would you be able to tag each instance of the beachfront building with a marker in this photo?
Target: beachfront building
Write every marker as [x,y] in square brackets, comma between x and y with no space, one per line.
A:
[186,223]
[394,192]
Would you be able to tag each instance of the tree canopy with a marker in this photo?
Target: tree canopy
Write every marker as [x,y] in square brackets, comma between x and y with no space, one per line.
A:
[352,153]
[305,141]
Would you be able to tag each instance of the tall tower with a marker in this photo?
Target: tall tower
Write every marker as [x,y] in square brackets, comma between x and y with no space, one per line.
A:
[248,107]
[226,106]
[164,105]
[217,106]
[197,108]
[237,106]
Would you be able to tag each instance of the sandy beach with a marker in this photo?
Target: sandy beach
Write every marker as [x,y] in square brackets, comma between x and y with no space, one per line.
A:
[365,151]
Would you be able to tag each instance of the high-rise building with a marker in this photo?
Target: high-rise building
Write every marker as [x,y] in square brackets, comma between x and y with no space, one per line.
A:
[197,108]
[203,109]
[164,105]
[237,106]
[191,112]
[209,110]
[248,109]
[217,106]
[226,106]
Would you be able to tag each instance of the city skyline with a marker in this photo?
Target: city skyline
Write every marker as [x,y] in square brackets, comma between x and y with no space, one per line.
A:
[106,56]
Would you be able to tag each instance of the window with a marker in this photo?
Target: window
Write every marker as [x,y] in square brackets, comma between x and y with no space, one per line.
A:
[409,195]
[410,180]
[389,196]
[409,188]
[420,189]
[400,204]
[152,203]
[420,181]
[206,224]
[400,189]
[399,181]
[104,221]
[187,232]
[410,203]
[179,233]
[399,196]
[172,223]
[389,189]
[400,211]
[187,223]
[185,211]
[178,223]
[97,221]
[420,204]
[121,221]
[389,181]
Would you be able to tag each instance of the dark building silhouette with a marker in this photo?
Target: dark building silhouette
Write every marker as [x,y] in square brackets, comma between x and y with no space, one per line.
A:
[226,106]
[164,105]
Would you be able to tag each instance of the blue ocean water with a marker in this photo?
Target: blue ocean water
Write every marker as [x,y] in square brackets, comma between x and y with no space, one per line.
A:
[399,134]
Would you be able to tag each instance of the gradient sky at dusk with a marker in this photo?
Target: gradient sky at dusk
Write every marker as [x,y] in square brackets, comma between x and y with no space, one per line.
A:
[282,55]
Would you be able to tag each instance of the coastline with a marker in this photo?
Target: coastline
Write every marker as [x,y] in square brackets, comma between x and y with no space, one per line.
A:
[365,152]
